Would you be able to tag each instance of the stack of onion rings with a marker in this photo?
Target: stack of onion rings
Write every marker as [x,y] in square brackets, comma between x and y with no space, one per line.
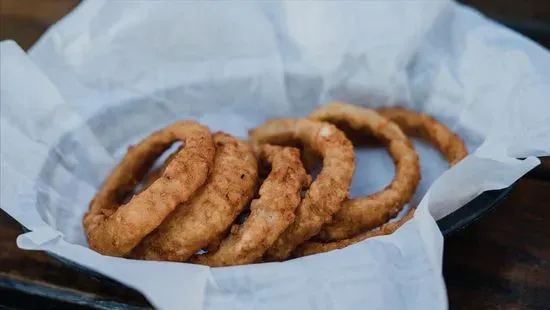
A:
[193,201]
[361,214]
[115,230]
[270,214]
[414,124]
[327,192]
[197,223]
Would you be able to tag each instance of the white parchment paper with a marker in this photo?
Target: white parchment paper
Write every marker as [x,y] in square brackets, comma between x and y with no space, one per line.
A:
[111,72]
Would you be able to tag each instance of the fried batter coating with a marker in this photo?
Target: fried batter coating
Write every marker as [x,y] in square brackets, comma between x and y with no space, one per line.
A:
[310,248]
[270,214]
[200,222]
[364,213]
[327,192]
[114,229]
[414,124]
[155,174]
[423,126]
[152,176]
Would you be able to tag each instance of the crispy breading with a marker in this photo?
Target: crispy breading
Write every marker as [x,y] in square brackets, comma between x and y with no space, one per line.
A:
[364,213]
[327,192]
[114,229]
[200,222]
[310,248]
[375,208]
[271,213]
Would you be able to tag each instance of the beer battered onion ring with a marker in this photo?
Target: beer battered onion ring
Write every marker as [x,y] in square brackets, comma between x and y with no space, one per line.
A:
[114,229]
[414,124]
[327,192]
[364,213]
[200,222]
[310,248]
[270,214]
[425,127]
[155,174]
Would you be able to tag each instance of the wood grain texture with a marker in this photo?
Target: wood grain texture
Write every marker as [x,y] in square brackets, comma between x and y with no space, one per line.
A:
[500,262]
[503,261]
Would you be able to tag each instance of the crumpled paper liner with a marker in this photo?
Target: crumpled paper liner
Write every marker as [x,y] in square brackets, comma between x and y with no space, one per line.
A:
[111,72]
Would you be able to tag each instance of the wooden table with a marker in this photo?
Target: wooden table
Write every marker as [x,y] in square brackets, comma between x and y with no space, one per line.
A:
[499,262]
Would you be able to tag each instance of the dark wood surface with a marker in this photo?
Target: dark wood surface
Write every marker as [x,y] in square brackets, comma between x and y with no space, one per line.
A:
[503,260]
[499,262]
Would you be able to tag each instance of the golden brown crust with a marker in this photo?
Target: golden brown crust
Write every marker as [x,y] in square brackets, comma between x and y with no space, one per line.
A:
[270,214]
[365,213]
[200,222]
[423,126]
[152,176]
[114,229]
[310,248]
[327,192]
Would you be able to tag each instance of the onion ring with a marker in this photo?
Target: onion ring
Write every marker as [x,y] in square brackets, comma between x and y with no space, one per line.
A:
[270,214]
[310,248]
[114,229]
[327,192]
[200,222]
[361,214]
[423,126]
[414,124]
[155,174]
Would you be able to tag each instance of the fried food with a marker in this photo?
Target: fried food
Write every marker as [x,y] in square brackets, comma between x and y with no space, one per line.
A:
[327,192]
[310,248]
[199,200]
[200,222]
[114,229]
[270,214]
[155,174]
[361,214]
[420,125]
[414,124]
